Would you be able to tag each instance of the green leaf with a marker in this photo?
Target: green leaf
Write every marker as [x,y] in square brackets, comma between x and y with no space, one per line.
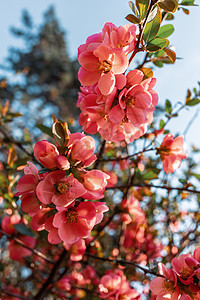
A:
[162,124]
[169,17]
[150,175]
[142,6]
[158,63]
[193,102]
[21,228]
[186,11]
[183,181]
[169,5]
[187,2]
[133,19]
[148,73]
[133,7]
[44,129]
[157,44]
[168,107]
[165,31]
[151,28]
[197,176]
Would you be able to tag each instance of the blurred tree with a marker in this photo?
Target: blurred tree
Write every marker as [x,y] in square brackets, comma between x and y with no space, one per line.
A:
[47,77]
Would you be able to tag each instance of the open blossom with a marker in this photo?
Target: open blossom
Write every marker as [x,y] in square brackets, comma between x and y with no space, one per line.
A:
[114,285]
[75,223]
[94,182]
[58,189]
[165,287]
[103,57]
[172,151]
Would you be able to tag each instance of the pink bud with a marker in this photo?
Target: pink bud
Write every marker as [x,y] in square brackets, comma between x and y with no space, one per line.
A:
[95,180]
[62,162]
[82,149]
[46,153]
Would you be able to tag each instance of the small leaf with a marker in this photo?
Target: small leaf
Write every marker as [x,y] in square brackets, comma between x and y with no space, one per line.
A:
[152,14]
[157,44]
[165,31]
[142,6]
[133,7]
[183,181]
[44,129]
[168,107]
[133,19]
[170,53]
[169,17]
[186,11]
[150,175]
[197,176]
[151,28]
[162,124]
[21,228]
[148,73]
[168,5]
[193,102]
[187,2]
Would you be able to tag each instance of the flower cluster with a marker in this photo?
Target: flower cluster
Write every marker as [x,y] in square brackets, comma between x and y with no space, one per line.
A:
[180,282]
[172,151]
[116,105]
[51,195]
[114,285]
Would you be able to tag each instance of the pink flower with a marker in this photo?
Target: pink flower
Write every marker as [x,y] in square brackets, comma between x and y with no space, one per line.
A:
[184,272]
[101,65]
[58,189]
[94,182]
[165,287]
[17,252]
[76,249]
[75,223]
[8,223]
[135,102]
[46,153]
[172,151]
[27,183]
[62,162]
[101,207]
[82,151]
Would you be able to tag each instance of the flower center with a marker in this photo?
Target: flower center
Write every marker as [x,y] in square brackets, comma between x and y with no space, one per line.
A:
[105,67]
[62,187]
[168,285]
[71,215]
[129,100]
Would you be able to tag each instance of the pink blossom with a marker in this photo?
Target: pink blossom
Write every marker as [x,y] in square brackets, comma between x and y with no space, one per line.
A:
[184,272]
[172,151]
[27,183]
[8,223]
[17,252]
[75,223]
[76,249]
[94,182]
[101,66]
[62,162]
[101,207]
[82,151]
[58,189]
[165,287]
[46,153]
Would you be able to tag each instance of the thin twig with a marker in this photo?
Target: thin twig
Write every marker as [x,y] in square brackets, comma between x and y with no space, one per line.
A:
[154,186]
[122,261]
[38,253]
[14,295]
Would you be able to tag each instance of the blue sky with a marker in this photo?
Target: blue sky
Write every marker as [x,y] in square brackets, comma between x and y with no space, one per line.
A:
[82,18]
